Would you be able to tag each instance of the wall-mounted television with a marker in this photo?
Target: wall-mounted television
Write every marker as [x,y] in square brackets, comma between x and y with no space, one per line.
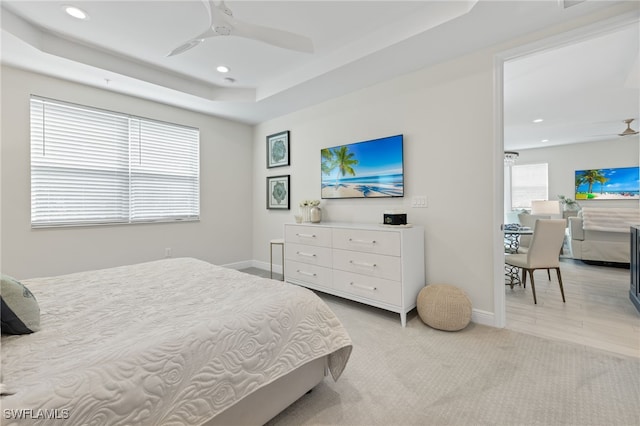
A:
[620,183]
[367,169]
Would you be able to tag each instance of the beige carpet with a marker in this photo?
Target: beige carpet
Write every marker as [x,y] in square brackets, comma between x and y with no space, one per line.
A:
[478,376]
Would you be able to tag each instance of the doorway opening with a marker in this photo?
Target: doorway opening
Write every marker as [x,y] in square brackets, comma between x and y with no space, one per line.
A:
[516,72]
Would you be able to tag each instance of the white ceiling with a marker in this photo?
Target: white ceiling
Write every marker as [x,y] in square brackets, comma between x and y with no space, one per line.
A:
[581,91]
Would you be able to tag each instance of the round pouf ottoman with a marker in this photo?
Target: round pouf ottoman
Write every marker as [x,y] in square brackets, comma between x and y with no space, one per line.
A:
[444,307]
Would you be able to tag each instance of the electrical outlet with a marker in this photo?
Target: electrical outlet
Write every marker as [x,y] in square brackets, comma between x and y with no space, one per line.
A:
[419,201]
[167,252]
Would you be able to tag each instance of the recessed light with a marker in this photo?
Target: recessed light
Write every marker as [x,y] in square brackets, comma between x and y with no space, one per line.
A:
[75,12]
[222,68]
[538,120]
[544,140]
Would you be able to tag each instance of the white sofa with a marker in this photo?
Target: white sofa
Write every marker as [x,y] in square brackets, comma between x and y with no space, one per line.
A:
[602,234]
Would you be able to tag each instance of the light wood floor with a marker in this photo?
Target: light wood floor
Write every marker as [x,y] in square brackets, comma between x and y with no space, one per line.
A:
[597,313]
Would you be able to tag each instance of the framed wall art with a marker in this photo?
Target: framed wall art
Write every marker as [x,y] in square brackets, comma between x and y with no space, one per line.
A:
[278,149]
[619,183]
[278,191]
[367,169]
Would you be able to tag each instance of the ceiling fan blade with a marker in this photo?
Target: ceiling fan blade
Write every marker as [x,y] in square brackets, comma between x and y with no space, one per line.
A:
[192,43]
[628,132]
[210,6]
[186,46]
[272,36]
[222,23]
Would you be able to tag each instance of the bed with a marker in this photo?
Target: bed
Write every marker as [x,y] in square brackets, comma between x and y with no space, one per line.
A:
[169,342]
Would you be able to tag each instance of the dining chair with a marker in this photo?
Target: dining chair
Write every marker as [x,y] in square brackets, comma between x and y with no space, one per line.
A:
[528,220]
[525,240]
[543,253]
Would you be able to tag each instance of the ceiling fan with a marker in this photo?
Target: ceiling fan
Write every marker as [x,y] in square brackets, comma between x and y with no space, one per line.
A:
[222,23]
[628,131]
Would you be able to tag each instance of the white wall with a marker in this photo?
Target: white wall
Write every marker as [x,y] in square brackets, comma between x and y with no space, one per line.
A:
[445,115]
[564,160]
[222,236]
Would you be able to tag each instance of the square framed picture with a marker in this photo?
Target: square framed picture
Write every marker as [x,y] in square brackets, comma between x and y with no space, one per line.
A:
[278,191]
[278,149]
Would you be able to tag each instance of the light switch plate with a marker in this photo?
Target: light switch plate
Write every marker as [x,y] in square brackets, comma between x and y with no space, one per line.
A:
[419,201]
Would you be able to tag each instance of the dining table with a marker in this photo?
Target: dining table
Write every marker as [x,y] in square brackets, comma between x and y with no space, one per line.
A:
[511,244]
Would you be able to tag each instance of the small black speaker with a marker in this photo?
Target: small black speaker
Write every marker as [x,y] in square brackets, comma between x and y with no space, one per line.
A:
[395,218]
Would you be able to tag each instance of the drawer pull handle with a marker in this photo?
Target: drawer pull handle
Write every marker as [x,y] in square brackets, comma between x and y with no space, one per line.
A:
[306,235]
[364,287]
[351,240]
[368,265]
[301,253]
[309,274]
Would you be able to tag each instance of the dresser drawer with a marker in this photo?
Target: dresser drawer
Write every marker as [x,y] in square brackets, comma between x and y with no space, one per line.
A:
[380,242]
[312,255]
[378,289]
[309,235]
[371,264]
[312,274]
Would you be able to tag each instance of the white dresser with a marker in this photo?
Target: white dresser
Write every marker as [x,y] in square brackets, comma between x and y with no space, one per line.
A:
[381,266]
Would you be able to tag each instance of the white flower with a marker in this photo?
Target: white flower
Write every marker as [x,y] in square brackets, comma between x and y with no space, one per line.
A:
[309,203]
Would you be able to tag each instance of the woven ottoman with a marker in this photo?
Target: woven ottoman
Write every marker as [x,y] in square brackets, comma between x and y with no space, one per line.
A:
[444,307]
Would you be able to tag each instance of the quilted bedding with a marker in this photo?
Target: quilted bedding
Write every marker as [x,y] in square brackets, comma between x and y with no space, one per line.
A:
[170,342]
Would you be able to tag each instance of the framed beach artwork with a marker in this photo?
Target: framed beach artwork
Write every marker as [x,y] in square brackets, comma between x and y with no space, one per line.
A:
[620,183]
[368,169]
[278,192]
[278,149]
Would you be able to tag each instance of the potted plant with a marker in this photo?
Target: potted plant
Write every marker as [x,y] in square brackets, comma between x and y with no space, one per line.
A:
[568,204]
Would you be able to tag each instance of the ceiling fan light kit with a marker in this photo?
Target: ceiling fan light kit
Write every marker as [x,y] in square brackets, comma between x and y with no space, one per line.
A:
[222,23]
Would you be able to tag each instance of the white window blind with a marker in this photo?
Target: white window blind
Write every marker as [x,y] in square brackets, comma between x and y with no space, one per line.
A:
[528,182]
[90,166]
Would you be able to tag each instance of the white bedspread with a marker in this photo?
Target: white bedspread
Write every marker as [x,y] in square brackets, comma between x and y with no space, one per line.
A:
[610,219]
[170,342]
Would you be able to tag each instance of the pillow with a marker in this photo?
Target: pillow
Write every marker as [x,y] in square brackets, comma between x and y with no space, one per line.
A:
[19,308]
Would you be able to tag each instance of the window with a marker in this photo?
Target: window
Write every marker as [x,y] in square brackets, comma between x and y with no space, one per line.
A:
[528,182]
[90,166]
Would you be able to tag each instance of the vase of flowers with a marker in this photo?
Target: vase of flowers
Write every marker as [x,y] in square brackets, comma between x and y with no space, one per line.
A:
[310,211]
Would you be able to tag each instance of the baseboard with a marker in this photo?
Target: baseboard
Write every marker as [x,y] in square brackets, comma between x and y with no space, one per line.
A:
[622,265]
[483,317]
[253,264]
[265,266]
[240,265]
